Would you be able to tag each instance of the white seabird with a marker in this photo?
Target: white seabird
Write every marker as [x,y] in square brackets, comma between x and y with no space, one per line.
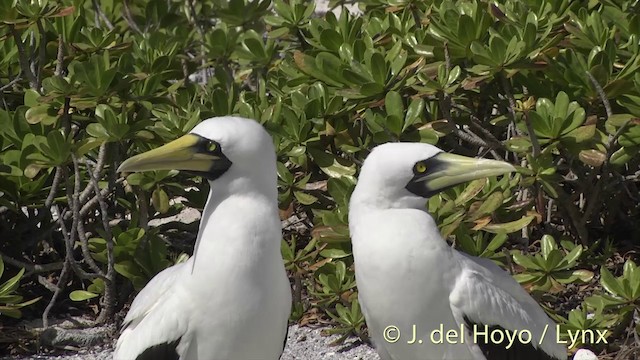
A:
[414,289]
[231,299]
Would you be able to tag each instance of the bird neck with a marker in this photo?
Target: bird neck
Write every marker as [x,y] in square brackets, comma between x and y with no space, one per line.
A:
[366,199]
[235,211]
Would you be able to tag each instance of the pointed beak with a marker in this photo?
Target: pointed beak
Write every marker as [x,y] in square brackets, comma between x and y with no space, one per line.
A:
[447,170]
[186,153]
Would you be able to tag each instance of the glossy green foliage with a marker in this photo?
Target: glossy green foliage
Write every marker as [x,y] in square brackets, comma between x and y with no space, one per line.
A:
[552,267]
[550,86]
[10,301]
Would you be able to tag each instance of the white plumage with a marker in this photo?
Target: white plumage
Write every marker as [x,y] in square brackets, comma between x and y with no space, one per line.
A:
[232,299]
[411,282]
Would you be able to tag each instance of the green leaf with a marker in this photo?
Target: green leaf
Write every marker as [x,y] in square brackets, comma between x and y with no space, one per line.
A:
[12,284]
[497,242]
[371,89]
[81,295]
[307,64]
[414,113]
[127,269]
[526,261]
[519,144]
[378,69]
[610,283]
[10,312]
[393,104]
[581,134]
[331,39]
[304,198]
[491,204]
[160,201]
[31,98]
[573,256]
[470,191]
[618,120]
[41,114]
[548,245]
[583,275]
[509,227]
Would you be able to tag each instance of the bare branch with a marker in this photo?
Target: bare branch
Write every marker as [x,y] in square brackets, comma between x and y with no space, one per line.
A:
[102,155]
[532,135]
[24,60]
[86,254]
[105,214]
[511,109]
[490,138]
[601,94]
[11,83]
[60,57]
[470,137]
[110,290]
[58,289]
[447,57]
[200,30]
[103,17]
[143,206]
[72,261]
[54,187]
[126,14]
[31,268]
[42,54]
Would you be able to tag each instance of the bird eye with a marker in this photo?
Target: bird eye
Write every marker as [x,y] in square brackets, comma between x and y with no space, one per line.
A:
[420,167]
[212,146]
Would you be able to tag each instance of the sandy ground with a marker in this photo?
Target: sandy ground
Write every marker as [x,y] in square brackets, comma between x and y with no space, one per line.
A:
[302,343]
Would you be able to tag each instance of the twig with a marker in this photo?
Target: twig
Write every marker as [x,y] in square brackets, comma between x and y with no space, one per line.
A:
[54,187]
[69,255]
[22,56]
[101,15]
[143,207]
[102,155]
[31,268]
[614,138]
[194,17]
[47,284]
[491,139]
[532,135]
[93,201]
[86,254]
[11,83]
[469,136]
[58,289]
[511,109]
[110,289]
[447,57]
[445,105]
[567,205]
[42,55]
[126,12]
[60,57]
[601,94]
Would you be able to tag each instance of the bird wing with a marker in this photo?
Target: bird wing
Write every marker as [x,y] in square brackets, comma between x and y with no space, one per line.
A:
[153,328]
[380,347]
[484,294]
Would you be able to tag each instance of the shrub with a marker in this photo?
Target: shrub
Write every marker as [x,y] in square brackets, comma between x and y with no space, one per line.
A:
[551,86]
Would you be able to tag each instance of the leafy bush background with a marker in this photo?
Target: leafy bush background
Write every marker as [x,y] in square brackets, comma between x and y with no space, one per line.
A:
[551,86]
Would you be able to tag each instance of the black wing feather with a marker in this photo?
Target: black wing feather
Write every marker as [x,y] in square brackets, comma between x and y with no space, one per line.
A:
[164,351]
[497,351]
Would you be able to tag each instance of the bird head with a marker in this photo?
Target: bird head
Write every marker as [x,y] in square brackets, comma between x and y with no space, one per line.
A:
[403,175]
[226,147]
